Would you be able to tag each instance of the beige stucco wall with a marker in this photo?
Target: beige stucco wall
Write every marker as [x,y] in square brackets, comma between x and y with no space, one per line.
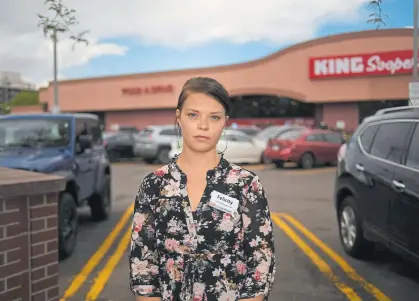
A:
[284,73]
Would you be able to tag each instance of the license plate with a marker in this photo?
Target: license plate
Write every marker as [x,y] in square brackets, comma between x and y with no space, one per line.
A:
[275,147]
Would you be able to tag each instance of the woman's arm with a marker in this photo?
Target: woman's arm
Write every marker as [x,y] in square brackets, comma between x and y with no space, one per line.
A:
[143,256]
[258,243]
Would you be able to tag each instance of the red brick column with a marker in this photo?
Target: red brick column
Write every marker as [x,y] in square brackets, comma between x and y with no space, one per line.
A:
[28,236]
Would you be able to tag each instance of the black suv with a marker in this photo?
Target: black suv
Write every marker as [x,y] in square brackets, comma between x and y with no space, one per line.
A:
[377,185]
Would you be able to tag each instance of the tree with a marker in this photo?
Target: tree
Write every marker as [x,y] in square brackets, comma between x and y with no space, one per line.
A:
[376,16]
[61,21]
[25,98]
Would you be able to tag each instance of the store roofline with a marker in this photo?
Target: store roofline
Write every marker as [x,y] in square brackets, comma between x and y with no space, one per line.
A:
[366,34]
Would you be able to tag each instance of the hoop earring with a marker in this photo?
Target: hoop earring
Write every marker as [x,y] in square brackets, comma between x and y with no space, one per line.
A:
[225,137]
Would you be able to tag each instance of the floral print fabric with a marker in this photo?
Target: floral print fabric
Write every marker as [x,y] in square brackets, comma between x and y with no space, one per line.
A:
[208,255]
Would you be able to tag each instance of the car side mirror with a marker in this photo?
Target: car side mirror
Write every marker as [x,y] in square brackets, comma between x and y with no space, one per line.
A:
[85,142]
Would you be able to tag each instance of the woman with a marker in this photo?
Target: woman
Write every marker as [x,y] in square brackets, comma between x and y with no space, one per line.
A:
[201,227]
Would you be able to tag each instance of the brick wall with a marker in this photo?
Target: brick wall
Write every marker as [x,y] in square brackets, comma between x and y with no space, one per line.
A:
[28,237]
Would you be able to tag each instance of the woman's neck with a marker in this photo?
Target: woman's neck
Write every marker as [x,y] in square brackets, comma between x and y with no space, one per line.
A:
[198,162]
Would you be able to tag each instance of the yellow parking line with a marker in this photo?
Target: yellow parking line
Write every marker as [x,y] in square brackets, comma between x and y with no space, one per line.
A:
[103,276]
[316,259]
[350,271]
[97,256]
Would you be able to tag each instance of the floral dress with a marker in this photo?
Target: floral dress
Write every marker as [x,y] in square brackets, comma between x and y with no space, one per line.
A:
[208,255]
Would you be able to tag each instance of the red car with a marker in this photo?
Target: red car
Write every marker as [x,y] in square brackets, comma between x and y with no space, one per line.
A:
[308,147]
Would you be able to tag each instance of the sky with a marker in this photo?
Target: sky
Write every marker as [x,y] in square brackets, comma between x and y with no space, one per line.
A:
[137,36]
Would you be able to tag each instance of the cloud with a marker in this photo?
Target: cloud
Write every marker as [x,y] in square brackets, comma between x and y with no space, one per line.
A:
[170,23]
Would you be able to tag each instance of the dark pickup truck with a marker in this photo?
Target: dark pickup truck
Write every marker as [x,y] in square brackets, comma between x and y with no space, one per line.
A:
[69,145]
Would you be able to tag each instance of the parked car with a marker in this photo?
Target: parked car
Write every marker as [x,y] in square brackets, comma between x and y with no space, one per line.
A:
[237,146]
[121,145]
[154,143]
[250,130]
[377,185]
[308,147]
[273,131]
[69,145]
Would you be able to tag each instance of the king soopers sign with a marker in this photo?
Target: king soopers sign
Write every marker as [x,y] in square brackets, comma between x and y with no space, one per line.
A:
[380,63]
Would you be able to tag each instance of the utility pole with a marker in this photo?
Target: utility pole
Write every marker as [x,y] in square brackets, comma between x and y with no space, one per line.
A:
[56,107]
[414,84]
[61,22]
[415,40]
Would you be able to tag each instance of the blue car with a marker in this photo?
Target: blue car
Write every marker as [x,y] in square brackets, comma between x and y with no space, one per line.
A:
[69,145]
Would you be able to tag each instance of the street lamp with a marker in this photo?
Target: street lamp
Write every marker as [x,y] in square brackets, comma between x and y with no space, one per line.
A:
[414,84]
[56,107]
[415,40]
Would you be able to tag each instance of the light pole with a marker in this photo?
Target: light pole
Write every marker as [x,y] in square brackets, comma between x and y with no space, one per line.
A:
[415,40]
[56,107]
[414,84]
[62,22]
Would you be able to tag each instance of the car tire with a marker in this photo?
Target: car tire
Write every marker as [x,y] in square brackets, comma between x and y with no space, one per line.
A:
[163,156]
[101,202]
[350,231]
[68,225]
[279,163]
[307,161]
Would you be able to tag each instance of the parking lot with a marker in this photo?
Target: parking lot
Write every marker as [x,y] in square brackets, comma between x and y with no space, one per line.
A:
[310,262]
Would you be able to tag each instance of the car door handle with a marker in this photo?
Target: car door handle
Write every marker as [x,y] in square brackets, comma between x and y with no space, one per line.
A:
[359,167]
[398,186]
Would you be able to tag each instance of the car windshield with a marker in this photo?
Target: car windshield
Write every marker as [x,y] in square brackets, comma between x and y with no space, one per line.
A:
[290,135]
[266,132]
[46,132]
[249,131]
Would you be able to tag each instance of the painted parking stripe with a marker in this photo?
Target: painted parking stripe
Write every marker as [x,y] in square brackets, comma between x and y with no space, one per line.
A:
[316,259]
[349,271]
[104,274]
[96,258]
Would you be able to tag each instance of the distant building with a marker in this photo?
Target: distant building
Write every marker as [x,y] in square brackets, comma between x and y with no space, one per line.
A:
[11,84]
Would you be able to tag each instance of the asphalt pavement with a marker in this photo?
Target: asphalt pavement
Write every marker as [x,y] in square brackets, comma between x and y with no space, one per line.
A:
[310,262]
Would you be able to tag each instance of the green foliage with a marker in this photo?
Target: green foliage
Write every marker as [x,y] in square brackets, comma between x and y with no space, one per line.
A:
[376,16]
[62,21]
[25,98]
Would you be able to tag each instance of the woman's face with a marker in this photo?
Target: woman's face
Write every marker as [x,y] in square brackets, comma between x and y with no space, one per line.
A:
[202,121]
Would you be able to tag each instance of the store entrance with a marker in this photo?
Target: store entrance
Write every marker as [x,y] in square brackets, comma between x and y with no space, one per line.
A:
[368,108]
[271,109]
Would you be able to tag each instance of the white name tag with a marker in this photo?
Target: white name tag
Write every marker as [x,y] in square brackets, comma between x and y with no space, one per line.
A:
[223,202]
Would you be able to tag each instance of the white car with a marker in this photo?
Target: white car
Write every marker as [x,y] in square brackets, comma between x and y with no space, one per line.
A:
[239,147]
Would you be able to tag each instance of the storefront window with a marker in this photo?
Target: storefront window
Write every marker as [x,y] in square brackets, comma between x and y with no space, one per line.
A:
[270,106]
[368,108]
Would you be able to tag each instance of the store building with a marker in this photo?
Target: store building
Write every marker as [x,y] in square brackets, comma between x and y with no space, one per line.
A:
[339,79]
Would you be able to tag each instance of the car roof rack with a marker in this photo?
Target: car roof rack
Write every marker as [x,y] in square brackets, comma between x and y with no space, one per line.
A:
[396,109]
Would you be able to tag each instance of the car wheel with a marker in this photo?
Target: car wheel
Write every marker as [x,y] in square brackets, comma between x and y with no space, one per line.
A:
[163,156]
[307,161]
[351,232]
[101,203]
[67,225]
[279,163]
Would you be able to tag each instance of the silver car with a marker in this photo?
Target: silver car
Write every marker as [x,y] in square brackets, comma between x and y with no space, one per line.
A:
[154,143]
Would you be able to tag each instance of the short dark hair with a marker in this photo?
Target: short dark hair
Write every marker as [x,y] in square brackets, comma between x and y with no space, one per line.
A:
[207,86]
